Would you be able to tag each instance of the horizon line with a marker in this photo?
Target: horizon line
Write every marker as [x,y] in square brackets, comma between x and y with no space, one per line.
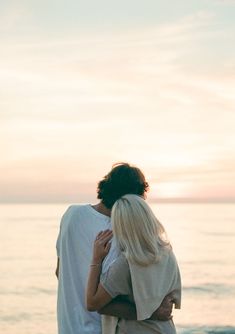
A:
[183,200]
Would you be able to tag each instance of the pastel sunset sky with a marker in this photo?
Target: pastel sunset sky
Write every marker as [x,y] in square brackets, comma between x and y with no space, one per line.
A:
[85,84]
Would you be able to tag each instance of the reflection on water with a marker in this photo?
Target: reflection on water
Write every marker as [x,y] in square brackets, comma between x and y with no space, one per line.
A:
[202,237]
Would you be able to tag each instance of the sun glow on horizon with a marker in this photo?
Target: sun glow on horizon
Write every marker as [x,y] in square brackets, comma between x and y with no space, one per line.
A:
[170,190]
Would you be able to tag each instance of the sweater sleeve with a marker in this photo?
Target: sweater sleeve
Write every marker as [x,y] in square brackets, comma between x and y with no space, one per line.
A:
[117,280]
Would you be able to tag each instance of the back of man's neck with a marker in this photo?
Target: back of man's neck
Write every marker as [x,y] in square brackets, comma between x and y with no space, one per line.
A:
[101,208]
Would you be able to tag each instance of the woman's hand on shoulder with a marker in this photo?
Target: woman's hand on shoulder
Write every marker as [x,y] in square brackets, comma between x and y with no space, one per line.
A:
[101,246]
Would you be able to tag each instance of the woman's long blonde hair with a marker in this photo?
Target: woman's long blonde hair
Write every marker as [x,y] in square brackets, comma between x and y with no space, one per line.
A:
[139,234]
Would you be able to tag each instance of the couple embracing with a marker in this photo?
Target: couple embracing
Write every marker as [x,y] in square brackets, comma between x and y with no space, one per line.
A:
[116,269]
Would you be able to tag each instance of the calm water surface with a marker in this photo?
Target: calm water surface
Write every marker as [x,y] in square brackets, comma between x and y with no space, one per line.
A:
[203,237]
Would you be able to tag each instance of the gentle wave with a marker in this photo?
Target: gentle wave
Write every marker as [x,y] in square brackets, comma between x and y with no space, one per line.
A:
[218,289]
[206,330]
[17,317]
[28,292]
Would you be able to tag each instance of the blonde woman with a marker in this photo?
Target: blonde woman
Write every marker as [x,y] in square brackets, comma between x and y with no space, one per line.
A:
[144,273]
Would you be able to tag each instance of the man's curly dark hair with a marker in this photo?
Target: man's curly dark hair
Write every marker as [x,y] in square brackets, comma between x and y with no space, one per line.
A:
[121,180]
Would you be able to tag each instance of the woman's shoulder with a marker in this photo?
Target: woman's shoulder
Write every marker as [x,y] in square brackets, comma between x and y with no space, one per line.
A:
[121,262]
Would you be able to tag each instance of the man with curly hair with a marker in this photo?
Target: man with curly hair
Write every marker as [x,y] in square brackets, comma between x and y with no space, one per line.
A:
[79,226]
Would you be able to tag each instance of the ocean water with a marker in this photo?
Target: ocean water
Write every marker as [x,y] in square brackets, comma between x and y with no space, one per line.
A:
[203,238]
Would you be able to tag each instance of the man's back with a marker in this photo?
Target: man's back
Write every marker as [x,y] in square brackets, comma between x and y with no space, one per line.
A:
[79,226]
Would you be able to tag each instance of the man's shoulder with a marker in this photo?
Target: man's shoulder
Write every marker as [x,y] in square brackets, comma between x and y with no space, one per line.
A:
[74,208]
[74,211]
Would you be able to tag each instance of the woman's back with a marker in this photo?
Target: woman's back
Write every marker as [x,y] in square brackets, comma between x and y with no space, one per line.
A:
[146,287]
